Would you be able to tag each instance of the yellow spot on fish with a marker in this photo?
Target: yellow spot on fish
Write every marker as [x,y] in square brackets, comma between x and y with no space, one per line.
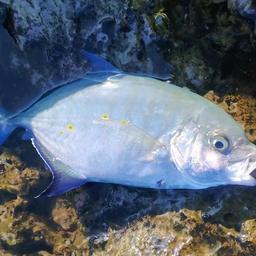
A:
[70,127]
[61,132]
[105,116]
[124,122]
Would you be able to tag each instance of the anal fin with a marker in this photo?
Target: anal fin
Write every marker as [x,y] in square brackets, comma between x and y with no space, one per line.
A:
[63,177]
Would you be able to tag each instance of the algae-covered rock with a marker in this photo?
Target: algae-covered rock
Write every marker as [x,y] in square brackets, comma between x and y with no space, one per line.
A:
[240,101]
[16,178]
[64,215]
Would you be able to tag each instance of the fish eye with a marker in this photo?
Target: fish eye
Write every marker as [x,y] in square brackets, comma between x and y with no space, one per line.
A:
[219,142]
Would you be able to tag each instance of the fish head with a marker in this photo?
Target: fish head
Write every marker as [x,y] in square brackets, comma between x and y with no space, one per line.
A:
[213,150]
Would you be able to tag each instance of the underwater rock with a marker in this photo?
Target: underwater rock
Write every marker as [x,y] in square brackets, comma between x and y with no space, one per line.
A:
[16,178]
[54,32]
[138,37]
[37,49]
[241,107]
[64,214]
[162,223]
[156,222]
[247,8]
[240,101]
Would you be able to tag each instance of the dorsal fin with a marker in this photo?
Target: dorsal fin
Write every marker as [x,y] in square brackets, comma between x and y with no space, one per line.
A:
[98,64]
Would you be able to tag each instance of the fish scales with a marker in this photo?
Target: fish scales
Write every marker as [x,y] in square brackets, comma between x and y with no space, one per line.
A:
[133,130]
[88,115]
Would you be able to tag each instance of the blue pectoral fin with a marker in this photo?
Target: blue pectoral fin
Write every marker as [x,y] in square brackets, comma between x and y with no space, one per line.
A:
[63,177]
[98,64]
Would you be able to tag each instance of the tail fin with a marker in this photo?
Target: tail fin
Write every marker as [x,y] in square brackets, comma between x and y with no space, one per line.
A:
[5,127]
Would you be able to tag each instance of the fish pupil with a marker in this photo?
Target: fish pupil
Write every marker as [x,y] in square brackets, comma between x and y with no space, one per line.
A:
[219,144]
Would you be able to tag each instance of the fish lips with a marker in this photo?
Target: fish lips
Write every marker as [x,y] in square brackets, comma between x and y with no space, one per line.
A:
[249,171]
[252,170]
[242,165]
[253,173]
[252,163]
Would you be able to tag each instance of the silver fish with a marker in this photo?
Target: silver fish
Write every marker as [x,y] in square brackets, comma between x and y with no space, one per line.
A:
[136,131]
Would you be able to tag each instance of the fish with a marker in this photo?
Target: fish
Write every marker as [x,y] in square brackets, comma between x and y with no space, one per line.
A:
[115,127]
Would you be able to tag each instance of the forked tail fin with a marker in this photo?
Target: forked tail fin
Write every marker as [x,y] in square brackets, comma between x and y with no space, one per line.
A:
[5,126]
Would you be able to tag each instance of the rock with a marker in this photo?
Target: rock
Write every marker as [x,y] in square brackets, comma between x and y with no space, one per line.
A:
[64,214]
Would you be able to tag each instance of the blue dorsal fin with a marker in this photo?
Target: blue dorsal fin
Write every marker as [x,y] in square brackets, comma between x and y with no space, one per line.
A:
[98,64]
[63,177]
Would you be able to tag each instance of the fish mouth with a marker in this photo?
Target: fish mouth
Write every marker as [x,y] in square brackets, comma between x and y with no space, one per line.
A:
[252,165]
[243,165]
[253,173]
[251,169]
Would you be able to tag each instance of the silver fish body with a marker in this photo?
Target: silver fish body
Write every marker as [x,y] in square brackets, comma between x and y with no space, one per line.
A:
[135,131]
